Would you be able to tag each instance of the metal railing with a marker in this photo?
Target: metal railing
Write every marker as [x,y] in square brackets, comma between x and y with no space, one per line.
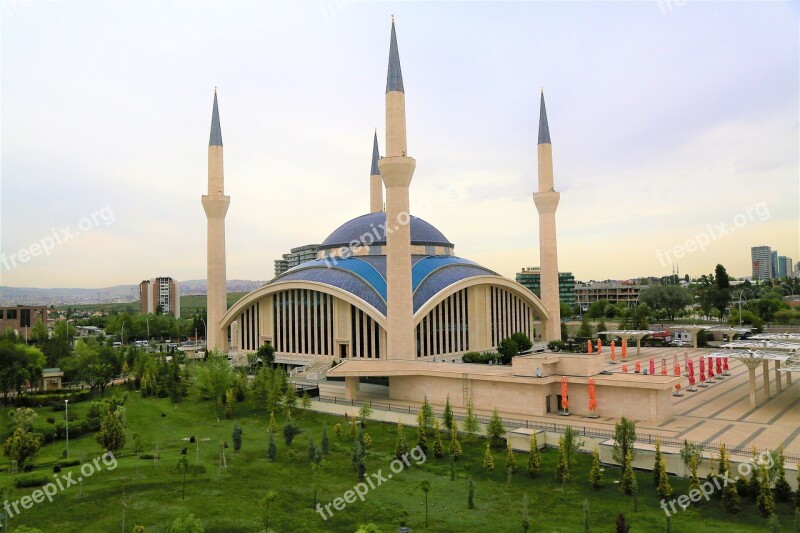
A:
[642,438]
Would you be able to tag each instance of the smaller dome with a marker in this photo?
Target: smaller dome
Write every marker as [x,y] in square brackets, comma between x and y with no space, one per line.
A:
[370,229]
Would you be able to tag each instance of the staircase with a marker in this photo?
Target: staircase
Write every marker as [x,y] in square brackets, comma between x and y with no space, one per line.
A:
[315,370]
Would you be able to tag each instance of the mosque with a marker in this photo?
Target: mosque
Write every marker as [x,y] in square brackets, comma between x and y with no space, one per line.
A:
[388,297]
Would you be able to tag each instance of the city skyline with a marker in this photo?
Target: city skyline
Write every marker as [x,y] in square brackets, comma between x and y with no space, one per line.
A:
[125,133]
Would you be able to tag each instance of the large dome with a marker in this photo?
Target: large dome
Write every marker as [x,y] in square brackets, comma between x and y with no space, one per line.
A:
[373,224]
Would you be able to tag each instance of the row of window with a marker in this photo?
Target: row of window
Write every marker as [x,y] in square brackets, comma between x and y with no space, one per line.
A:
[446,328]
[509,314]
[302,322]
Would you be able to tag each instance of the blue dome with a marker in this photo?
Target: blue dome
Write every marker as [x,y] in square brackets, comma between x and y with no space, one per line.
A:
[365,277]
[371,227]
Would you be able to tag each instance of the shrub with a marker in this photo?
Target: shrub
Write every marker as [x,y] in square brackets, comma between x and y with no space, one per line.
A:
[523,341]
[68,462]
[51,420]
[23,482]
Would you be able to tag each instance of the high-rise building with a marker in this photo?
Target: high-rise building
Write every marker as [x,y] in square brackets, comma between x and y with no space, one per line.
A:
[785,267]
[774,263]
[296,256]
[160,295]
[761,257]
[530,277]
[22,318]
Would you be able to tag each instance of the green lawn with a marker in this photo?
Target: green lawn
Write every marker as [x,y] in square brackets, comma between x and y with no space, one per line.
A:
[229,499]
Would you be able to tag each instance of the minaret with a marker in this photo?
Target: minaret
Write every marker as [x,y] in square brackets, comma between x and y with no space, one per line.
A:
[396,171]
[375,181]
[546,201]
[215,205]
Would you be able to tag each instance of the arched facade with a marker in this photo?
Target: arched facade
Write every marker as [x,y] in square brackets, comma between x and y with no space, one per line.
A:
[309,318]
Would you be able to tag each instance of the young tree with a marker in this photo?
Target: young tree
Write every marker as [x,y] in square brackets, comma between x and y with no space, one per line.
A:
[427,415]
[364,413]
[290,399]
[622,524]
[213,378]
[664,489]
[731,502]
[400,448]
[312,450]
[624,439]
[526,522]
[21,446]
[586,528]
[562,463]
[511,461]
[783,491]
[325,443]
[353,429]
[358,459]
[229,404]
[138,444]
[426,487]
[694,481]
[754,485]
[183,467]
[316,476]
[289,431]
[23,417]
[495,430]
[572,444]
[236,435]
[438,451]
[112,435]
[272,449]
[488,460]
[305,401]
[764,500]
[266,502]
[455,446]
[534,457]
[471,495]
[688,451]
[657,466]
[471,421]
[366,440]
[337,430]
[422,440]
[448,418]
[273,424]
[187,524]
[626,483]
[596,473]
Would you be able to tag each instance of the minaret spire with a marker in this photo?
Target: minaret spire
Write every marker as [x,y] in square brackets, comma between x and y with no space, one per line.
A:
[546,200]
[394,78]
[215,204]
[544,128]
[375,181]
[396,170]
[216,132]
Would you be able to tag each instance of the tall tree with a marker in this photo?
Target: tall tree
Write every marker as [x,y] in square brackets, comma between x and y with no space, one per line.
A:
[624,439]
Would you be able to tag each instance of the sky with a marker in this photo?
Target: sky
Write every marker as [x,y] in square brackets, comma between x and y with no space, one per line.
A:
[675,130]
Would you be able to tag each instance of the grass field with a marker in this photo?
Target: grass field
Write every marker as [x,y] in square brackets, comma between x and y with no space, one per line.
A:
[229,499]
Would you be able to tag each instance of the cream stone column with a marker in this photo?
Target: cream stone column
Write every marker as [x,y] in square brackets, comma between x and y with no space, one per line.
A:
[546,200]
[215,204]
[396,171]
[778,386]
[765,370]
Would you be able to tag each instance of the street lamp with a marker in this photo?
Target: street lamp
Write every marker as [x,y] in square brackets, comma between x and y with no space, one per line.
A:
[66,415]
[122,334]
[205,329]
[147,320]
